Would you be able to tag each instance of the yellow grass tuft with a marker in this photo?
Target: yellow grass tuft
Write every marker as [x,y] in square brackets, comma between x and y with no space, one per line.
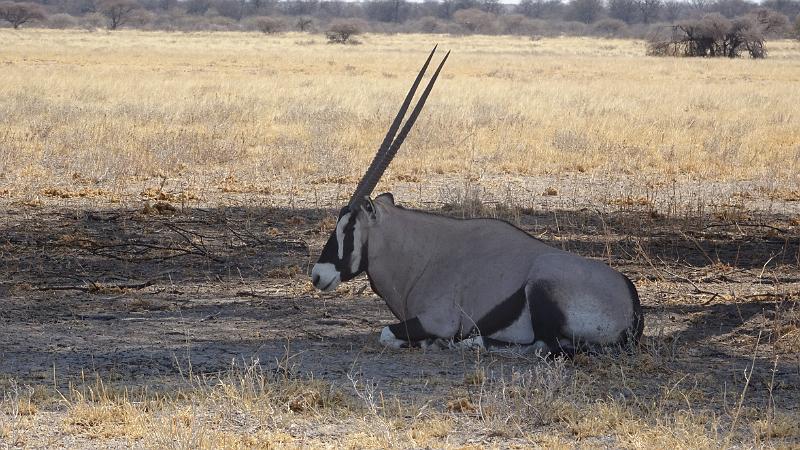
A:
[781,426]
[106,420]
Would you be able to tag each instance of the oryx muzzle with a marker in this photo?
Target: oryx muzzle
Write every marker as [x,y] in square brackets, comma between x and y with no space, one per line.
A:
[473,281]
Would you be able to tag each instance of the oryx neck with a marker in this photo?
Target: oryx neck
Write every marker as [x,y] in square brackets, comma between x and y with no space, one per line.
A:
[399,250]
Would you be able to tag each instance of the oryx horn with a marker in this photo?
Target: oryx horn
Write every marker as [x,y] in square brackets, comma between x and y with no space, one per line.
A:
[392,143]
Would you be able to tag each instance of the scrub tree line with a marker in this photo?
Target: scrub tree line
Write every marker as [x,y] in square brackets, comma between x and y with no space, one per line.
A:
[689,21]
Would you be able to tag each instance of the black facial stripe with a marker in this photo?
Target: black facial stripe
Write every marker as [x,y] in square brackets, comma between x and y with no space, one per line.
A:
[330,253]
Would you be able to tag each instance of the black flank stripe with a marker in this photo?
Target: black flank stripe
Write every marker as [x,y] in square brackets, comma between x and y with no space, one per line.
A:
[502,315]
[411,330]
[547,318]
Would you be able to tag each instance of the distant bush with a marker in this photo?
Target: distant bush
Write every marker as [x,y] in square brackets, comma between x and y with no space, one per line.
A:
[176,21]
[571,28]
[119,12]
[516,24]
[427,24]
[772,22]
[476,21]
[585,11]
[512,24]
[610,28]
[341,31]
[797,28]
[197,7]
[535,18]
[304,24]
[62,21]
[712,36]
[269,25]
[19,13]
[92,21]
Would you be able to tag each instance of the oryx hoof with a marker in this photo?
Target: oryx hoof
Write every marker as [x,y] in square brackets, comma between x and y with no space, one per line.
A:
[388,339]
[473,343]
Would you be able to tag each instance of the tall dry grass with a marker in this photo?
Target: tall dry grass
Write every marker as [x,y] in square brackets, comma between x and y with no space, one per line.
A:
[111,106]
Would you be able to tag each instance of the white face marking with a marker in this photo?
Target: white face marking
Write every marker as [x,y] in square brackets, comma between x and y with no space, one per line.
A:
[340,233]
[329,277]
[355,257]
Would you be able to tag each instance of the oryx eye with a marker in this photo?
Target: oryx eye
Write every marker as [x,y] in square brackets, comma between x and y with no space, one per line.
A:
[368,207]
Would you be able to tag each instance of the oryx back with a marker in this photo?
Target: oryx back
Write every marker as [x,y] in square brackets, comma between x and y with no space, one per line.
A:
[484,276]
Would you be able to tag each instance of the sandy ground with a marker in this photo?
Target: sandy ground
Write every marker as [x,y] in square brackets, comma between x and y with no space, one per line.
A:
[152,287]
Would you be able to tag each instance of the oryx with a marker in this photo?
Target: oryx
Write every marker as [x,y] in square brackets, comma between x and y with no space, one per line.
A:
[481,281]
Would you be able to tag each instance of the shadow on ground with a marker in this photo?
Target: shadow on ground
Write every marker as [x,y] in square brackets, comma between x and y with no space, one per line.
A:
[140,295]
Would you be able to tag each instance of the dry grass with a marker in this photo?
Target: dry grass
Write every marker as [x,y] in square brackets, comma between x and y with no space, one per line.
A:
[82,107]
[166,119]
[552,404]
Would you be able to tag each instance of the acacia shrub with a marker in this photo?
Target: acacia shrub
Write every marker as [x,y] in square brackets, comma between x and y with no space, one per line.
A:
[341,31]
[304,23]
[711,36]
[62,21]
[475,20]
[772,22]
[269,25]
[797,28]
[18,13]
[610,28]
[120,12]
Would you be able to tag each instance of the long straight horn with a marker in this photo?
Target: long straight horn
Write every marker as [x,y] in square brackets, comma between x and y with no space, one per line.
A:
[387,140]
[372,177]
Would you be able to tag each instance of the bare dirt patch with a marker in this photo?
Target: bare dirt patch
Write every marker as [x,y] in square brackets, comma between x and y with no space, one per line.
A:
[142,297]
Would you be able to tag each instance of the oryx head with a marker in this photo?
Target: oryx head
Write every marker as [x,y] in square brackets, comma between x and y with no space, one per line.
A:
[345,254]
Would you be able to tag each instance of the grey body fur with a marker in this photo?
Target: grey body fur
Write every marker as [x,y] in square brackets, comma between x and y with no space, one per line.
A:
[450,273]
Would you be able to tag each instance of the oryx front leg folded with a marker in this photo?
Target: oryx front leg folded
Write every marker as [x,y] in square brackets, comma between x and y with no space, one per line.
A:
[405,334]
[420,331]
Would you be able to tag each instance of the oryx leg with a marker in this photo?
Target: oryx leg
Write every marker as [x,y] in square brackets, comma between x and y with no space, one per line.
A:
[420,331]
[507,324]
[404,334]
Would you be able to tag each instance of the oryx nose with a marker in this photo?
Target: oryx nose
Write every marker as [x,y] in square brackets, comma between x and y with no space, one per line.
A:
[315,279]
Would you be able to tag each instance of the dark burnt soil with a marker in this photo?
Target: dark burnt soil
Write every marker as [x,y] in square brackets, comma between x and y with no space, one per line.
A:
[138,293]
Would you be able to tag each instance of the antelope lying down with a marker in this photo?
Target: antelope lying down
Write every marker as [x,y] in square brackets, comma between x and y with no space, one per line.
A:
[475,282]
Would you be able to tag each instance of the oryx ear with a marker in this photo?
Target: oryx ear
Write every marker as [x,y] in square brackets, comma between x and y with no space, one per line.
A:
[368,207]
[387,196]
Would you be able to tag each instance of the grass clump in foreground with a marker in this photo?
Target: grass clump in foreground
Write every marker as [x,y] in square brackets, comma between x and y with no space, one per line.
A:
[630,401]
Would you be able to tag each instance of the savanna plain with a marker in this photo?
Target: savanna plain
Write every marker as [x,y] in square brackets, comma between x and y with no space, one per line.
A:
[164,195]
